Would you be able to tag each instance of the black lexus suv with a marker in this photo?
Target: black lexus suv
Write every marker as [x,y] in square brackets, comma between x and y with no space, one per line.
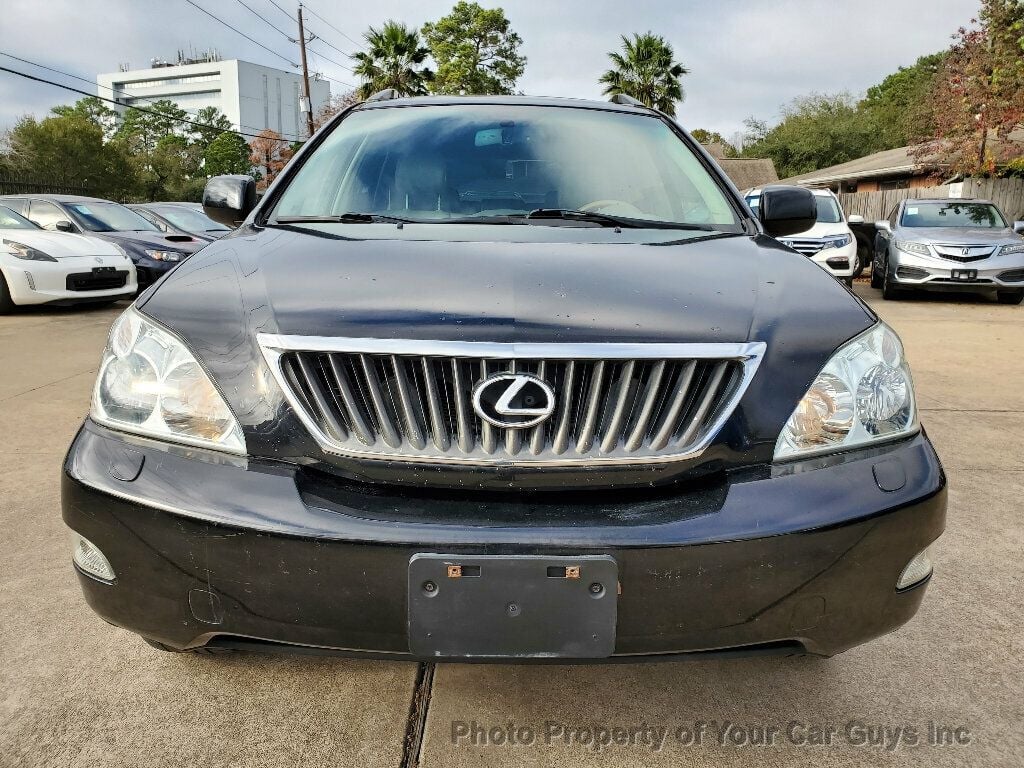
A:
[503,379]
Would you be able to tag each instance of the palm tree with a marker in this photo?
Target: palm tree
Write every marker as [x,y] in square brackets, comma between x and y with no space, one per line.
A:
[392,56]
[646,71]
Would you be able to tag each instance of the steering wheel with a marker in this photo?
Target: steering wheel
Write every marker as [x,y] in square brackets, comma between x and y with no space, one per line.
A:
[614,207]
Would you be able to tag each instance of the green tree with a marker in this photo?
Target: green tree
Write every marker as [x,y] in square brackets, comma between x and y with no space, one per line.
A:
[69,147]
[900,107]
[476,51]
[714,137]
[816,131]
[646,69]
[92,109]
[393,59]
[228,153]
[172,170]
[142,130]
[213,124]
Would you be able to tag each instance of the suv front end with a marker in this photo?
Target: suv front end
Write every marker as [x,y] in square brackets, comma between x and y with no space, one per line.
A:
[530,439]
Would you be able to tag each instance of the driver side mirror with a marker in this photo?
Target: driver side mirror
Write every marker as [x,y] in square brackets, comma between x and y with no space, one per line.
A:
[64,226]
[882,225]
[1018,227]
[855,219]
[787,210]
[229,199]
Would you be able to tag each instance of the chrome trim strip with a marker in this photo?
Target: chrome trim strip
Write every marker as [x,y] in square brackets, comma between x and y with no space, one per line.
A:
[274,346]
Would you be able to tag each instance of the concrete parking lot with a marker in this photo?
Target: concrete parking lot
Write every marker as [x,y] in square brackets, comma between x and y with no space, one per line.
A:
[75,691]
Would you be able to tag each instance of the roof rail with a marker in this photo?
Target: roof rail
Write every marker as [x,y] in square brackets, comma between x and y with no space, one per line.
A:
[629,101]
[386,95]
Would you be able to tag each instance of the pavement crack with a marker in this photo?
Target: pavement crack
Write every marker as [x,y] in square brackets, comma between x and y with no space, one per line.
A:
[47,384]
[415,725]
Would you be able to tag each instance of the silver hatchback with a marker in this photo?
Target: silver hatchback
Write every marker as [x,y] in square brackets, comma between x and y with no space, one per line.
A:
[949,245]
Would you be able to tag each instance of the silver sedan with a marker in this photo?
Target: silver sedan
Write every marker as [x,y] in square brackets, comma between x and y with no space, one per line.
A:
[949,245]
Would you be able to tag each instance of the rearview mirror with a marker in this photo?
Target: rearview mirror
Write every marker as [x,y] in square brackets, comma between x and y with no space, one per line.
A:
[64,226]
[883,225]
[787,210]
[855,219]
[1018,227]
[229,199]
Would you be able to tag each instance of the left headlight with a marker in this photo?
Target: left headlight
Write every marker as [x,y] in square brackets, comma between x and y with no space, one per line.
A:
[864,395]
[1006,250]
[27,252]
[838,241]
[165,255]
[150,384]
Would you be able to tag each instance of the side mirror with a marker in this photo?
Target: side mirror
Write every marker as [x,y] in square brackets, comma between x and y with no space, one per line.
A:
[1018,227]
[229,199]
[64,226]
[882,225]
[855,219]
[787,210]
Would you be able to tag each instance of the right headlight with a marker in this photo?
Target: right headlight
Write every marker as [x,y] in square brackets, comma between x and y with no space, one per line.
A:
[863,395]
[151,384]
[909,246]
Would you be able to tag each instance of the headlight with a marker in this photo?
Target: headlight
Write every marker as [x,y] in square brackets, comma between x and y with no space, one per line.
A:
[863,395]
[121,250]
[1006,250]
[919,249]
[22,251]
[165,255]
[839,241]
[149,383]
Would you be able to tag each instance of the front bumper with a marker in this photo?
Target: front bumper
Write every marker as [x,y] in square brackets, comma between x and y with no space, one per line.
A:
[210,549]
[839,261]
[45,282]
[996,273]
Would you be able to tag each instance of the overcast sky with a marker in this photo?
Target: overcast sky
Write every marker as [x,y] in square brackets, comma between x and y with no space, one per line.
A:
[746,57]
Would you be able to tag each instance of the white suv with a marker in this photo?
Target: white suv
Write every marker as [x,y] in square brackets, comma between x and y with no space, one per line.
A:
[829,243]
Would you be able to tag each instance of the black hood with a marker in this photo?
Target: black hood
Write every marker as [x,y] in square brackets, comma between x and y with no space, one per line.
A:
[702,289]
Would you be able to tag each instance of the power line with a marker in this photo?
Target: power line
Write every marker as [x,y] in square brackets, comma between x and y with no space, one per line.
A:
[356,43]
[316,54]
[329,45]
[282,10]
[112,101]
[115,92]
[233,29]
[335,63]
[260,16]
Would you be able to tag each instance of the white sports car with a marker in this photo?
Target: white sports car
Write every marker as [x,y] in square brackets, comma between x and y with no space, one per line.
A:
[42,267]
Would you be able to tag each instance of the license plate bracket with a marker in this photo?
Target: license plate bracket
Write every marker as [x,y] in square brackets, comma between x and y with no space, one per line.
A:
[964,274]
[514,606]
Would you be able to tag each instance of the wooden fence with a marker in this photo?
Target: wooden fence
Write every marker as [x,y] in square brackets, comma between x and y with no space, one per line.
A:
[1008,194]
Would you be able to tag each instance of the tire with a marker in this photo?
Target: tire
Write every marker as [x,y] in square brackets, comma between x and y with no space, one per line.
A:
[876,280]
[863,259]
[201,651]
[6,302]
[889,291]
[1010,297]
[848,282]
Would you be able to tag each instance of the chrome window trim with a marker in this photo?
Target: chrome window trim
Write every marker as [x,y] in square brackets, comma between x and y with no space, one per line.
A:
[749,354]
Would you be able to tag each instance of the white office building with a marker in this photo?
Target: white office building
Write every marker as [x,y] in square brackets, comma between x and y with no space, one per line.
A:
[252,96]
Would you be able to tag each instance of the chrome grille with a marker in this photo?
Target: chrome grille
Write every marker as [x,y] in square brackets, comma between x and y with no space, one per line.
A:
[808,246]
[413,400]
[964,253]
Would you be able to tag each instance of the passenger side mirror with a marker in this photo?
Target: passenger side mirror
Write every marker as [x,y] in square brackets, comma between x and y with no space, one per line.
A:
[882,225]
[855,219]
[1018,227]
[787,210]
[64,226]
[229,199]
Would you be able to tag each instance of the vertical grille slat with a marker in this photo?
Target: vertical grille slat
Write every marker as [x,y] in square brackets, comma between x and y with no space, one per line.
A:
[378,402]
[674,407]
[647,403]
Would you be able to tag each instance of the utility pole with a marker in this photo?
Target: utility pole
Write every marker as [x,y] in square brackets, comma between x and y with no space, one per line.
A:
[308,105]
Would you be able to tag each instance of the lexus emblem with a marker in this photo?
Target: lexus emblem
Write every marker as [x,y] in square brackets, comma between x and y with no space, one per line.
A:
[513,400]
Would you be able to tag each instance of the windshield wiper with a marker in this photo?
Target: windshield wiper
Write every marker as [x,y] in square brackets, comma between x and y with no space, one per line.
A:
[606,220]
[344,218]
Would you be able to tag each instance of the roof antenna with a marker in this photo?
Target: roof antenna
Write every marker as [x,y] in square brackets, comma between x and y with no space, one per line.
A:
[386,95]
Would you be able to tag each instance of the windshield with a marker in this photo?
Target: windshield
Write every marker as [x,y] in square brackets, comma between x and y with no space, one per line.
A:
[109,217]
[188,219]
[828,210]
[465,162]
[11,220]
[953,214]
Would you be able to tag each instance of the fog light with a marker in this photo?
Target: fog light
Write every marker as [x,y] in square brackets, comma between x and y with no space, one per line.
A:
[88,557]
[917,570]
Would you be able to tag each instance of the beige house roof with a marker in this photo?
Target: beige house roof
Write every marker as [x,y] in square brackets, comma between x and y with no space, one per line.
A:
[747,172]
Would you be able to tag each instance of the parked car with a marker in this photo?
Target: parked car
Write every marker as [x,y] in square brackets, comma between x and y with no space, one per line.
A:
[40,267]
[949,245]
[829,243]
[503,378]
[152,251]
[182,219]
